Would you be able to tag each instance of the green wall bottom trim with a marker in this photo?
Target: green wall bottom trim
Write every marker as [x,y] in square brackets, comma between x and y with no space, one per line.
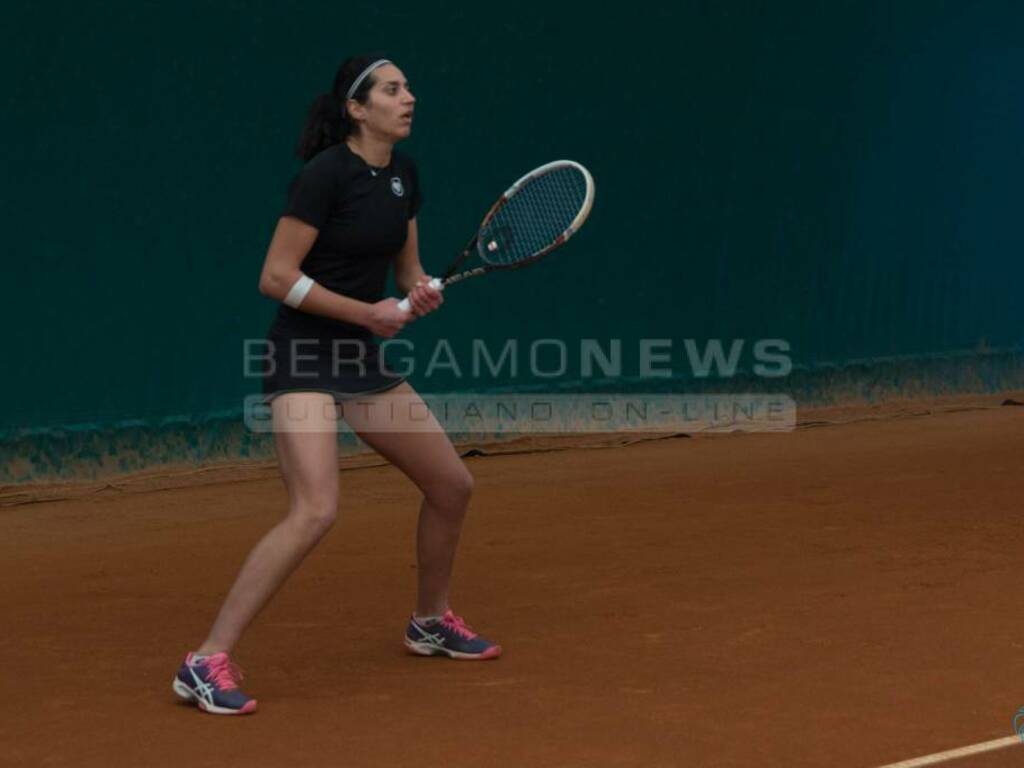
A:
[97,451]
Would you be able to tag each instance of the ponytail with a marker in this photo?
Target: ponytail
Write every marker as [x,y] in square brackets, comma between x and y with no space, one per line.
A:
[326,125]
[327,121]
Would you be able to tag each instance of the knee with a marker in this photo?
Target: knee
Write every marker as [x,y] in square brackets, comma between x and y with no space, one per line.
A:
[314,517]
[453,491]
[462,487]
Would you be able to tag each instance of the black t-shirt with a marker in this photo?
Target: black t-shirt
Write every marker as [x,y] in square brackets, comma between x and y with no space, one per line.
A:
[363,216]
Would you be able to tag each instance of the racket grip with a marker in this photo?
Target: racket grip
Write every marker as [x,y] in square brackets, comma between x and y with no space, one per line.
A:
[436,284]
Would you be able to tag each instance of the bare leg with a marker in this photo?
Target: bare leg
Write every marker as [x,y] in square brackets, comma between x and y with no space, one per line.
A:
[428,458]
[309,465]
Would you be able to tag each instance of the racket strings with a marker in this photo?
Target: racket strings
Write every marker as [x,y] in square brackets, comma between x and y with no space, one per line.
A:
[534,217]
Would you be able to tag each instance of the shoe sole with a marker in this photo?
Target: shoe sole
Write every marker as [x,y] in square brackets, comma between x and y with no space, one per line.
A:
[186,693]
[425,649]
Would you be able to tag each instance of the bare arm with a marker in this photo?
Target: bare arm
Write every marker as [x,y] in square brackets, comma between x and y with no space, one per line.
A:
[288,247]
[410,277]
[408,270]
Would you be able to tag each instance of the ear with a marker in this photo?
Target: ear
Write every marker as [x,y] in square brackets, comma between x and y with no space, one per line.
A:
[355,110]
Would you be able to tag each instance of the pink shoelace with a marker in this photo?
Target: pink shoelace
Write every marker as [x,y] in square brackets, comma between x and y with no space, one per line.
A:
[224,672]
[456,624]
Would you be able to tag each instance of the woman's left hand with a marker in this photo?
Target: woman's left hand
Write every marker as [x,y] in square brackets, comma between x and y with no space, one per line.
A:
[423,298]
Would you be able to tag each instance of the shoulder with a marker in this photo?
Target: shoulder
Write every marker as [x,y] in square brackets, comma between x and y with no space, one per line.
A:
[326,173]
[334,159]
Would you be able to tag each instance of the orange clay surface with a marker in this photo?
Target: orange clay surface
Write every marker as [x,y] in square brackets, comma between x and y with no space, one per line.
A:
[845,595]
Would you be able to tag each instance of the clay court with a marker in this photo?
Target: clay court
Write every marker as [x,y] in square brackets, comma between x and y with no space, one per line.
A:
[842,595]
[805,203]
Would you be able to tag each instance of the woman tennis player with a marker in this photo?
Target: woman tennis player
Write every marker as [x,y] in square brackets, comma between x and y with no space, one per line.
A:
[351,214]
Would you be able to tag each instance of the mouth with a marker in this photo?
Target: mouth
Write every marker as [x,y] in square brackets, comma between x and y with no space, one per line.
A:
[406,116]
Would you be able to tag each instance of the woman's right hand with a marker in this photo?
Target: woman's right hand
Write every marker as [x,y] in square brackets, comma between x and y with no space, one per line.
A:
[386,319]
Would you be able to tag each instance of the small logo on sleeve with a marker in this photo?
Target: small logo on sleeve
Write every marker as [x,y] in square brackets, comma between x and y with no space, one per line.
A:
[396,186]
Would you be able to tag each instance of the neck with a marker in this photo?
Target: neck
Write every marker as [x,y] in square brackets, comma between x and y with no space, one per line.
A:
[375,150]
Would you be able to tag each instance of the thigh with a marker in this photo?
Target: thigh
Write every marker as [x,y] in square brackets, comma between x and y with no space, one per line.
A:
[306,443]
[405,433]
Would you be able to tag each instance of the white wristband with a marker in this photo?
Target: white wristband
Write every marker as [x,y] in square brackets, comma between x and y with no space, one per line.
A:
[299,291]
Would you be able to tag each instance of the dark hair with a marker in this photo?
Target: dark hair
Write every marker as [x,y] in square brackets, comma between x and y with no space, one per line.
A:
[327,121]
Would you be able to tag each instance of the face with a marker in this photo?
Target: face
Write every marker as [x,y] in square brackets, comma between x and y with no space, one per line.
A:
[388,110]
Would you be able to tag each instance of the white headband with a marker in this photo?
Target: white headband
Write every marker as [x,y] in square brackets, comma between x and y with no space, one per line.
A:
[359,80]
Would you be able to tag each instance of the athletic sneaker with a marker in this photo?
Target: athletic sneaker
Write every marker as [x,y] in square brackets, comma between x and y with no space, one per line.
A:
[212,683]
[449,637]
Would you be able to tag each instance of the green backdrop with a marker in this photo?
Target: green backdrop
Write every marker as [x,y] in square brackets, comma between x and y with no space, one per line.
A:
[845,177]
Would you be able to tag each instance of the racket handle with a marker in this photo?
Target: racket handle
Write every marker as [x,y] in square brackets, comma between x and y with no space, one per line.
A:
[404,304]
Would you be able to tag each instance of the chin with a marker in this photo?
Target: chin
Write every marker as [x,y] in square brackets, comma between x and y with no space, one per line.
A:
[396,135]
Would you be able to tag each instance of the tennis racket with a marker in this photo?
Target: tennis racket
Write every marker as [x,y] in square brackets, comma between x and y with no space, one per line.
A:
[537,214]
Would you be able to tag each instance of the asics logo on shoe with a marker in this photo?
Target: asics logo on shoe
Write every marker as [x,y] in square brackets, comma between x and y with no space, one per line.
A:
[430,638]
[202,689]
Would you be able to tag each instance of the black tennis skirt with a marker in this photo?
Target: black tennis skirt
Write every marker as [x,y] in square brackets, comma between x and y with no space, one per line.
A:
[343,367]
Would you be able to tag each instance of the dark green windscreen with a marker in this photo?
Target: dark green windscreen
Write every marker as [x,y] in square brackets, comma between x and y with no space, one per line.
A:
[841,176]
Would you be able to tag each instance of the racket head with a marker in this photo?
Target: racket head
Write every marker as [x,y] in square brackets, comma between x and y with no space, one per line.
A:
[538,213]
